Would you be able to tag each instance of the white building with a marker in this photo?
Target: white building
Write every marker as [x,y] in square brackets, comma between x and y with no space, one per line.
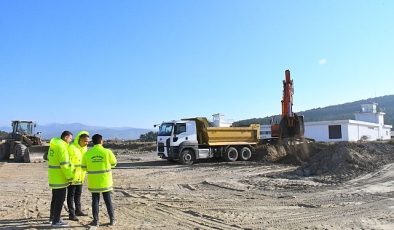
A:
[265,131]
[219,121]
[369,125]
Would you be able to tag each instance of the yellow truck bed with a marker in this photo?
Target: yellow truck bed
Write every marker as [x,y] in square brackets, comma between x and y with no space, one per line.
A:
[233,135]
[216,136]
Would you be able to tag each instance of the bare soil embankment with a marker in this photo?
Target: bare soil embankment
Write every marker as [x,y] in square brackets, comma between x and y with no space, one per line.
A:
[318,186]
[330,162]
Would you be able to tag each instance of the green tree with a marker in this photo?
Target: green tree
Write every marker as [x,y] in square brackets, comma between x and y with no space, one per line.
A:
[3,135]
[149,136]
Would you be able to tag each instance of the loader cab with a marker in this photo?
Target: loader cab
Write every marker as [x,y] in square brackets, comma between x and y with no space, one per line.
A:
[22,128]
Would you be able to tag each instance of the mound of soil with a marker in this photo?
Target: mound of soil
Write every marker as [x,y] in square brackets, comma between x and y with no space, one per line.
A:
[347,160]
[330,162]
[270,153]
[297,154]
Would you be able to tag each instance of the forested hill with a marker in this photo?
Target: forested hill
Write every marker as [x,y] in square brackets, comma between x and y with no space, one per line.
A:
[336,112]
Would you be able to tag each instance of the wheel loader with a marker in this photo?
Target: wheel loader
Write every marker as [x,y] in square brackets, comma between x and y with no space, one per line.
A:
[23,144]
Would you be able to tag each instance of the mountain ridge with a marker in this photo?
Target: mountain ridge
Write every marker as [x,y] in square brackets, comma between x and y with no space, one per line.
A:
[55,129]
[343,111]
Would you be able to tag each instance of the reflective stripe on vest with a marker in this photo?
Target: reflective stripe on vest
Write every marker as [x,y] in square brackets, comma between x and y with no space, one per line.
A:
[77,165]
[65,163]
[99,189]
[58,185]
[53,167]
[98,172]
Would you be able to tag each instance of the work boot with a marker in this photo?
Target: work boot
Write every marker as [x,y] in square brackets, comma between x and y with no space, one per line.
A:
[50,219]
[94,223]
[60,224]
[73,218]
[80,213]
[112,222]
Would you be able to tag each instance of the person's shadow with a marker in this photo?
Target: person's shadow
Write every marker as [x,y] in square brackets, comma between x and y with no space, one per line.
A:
[31,223]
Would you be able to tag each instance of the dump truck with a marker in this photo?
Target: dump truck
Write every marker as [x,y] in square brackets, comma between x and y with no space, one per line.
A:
[22,144]
[191,139]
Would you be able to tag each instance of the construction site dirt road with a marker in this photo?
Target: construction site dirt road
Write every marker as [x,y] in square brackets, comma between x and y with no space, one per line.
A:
[154,194]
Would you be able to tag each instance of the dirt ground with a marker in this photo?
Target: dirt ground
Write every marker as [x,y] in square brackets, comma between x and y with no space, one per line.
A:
[342,186]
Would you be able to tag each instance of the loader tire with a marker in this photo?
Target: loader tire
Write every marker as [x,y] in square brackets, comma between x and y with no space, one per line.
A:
[231,154]
[245,154]
[19,153]
[4,152]
[26,156]
[187,157]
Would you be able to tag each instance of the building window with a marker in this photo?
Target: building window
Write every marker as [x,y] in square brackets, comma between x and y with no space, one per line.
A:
[334,132]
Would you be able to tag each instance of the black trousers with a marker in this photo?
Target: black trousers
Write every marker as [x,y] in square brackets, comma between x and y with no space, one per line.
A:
[58,197]
[96,203]
[74,197]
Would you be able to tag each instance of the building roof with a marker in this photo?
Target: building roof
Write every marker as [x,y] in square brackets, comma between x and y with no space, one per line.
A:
[341,122]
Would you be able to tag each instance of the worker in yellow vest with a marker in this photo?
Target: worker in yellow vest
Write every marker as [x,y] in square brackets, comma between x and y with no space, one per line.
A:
[60,175]
[98,162]
[76,150]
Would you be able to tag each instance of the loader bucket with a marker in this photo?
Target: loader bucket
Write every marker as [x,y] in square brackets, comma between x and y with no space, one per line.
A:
[35,153]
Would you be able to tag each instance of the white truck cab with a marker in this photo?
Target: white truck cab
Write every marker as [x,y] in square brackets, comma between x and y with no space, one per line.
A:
[173,134]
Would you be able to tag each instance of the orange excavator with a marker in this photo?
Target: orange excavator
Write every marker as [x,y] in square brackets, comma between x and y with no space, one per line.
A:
[291,125]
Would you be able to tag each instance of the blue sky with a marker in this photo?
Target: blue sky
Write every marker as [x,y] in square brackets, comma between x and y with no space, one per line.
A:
[137,63]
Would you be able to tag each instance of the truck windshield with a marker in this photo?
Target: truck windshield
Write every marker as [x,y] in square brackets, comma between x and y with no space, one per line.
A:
[165,129]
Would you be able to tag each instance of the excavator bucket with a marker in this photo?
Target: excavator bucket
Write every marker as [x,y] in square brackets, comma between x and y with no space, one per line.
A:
[300,129]
[35,153]
[292,127]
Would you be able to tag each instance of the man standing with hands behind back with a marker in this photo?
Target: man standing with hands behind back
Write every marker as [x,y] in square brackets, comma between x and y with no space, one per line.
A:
[98,162]
[60,175]
[76,150]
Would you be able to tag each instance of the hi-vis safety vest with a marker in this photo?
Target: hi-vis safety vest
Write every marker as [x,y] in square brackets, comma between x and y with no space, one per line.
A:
[98,162]
[76,153]
[59,168]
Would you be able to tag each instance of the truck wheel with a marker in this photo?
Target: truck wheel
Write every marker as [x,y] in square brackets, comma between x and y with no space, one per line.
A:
[187,157]
[19,152]
[231,154]
[4,152]
[245,154]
